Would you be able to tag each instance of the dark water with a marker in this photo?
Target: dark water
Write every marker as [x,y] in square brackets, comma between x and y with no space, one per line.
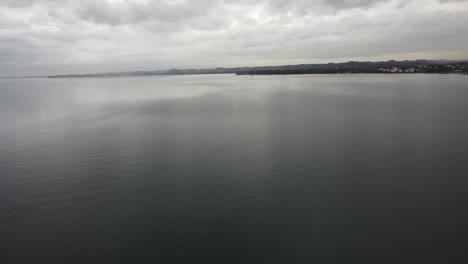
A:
[228,169]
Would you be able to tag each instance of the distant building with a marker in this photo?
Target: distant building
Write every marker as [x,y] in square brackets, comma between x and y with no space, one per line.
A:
[396,70]
[410,70]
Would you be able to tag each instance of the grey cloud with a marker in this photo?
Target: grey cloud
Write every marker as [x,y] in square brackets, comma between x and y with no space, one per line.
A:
[319,6]
[352,3]
[134,12]
[24,3]
[53,37]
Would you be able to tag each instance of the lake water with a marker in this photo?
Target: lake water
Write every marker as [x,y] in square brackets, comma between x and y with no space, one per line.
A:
[234,169]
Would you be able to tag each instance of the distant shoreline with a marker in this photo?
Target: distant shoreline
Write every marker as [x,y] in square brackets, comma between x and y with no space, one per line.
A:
[351,67]
[24,77]
[238,74]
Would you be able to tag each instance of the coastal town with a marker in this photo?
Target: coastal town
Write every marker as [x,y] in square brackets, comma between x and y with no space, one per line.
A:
[450,68]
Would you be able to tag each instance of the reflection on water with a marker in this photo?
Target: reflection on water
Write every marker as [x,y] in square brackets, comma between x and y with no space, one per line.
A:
[234,169]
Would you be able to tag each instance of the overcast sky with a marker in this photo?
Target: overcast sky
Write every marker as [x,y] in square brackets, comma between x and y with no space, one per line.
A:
[39,37]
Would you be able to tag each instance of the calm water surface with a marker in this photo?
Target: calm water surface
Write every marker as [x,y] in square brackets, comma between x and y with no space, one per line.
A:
[234,169]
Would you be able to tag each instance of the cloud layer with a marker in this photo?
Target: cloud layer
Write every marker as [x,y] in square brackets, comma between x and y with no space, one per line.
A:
[57,36]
